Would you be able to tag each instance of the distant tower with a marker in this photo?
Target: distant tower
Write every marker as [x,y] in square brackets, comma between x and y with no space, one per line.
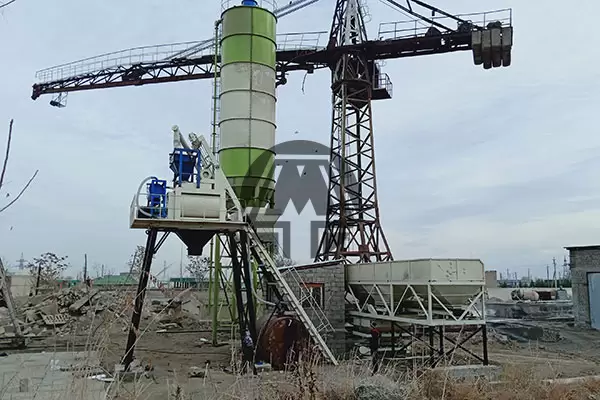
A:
[22,263]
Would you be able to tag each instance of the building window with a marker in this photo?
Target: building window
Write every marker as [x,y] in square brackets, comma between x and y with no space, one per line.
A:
[316,290]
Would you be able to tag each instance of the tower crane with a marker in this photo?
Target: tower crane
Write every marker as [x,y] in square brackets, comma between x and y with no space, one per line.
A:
[353,231]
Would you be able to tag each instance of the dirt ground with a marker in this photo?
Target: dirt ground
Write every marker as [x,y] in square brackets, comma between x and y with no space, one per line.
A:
[576,354]
[562,352]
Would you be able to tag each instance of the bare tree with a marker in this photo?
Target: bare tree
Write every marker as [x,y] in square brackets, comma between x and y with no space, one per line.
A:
[198,267]
[5,164]
[46,269]
[97,269]
[136,259]
[6,3]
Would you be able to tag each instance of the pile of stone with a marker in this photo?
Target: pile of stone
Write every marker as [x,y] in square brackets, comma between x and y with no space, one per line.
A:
[63,312]
[77,309]
[175,314]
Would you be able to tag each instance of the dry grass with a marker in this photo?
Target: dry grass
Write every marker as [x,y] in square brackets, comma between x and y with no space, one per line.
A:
[352,380]
[517,383]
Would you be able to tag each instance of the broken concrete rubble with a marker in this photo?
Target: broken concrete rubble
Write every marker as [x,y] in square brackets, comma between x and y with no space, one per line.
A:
[75,309]
[58,311]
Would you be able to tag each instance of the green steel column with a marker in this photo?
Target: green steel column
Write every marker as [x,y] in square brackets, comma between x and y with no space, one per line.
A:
[215,294]
[255,284]
[247,100]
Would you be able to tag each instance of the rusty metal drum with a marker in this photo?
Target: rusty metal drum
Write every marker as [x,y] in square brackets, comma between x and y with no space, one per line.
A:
[281,339]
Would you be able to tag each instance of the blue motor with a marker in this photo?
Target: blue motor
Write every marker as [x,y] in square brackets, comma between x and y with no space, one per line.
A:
[157,198]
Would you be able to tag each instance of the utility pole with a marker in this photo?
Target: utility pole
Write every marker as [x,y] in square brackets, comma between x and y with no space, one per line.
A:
[102,270]
[37,280]
[85,271]
[566,271]
[21,262]
[554,264]
[181,263]
[548,275]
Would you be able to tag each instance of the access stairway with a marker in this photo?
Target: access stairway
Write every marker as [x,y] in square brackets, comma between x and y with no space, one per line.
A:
[287,294]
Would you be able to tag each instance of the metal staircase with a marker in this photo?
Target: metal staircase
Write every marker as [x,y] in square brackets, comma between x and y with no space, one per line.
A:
[323,325]
[291,274]
[289,296]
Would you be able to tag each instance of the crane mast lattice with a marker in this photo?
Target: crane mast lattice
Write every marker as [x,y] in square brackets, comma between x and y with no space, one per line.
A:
[352,230]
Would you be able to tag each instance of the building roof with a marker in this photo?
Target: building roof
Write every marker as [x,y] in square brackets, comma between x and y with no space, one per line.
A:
[109,280]
[321,264]
[71,280]
[184,279]
[588,247]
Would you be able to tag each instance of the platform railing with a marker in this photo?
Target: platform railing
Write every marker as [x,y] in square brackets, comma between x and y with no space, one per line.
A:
[300,40]
[122,58]
[162,53]
[384,82]
[416,27]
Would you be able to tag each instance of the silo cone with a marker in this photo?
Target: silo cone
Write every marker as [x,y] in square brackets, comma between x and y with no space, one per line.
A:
[247,101]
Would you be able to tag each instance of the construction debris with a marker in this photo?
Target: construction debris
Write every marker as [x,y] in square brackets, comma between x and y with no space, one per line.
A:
[73,310]
[196,372]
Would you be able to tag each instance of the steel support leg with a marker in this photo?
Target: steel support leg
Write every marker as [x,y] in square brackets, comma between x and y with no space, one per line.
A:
[246,315]
[441,337]
[237,288]
[139,298]
[216,301]
[486,360]
[431,348]
[248,282]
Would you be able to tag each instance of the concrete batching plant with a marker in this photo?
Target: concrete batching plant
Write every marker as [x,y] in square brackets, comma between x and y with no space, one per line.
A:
[213,188]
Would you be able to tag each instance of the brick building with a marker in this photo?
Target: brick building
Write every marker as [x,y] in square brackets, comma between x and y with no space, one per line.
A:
[585,280]
[327,284]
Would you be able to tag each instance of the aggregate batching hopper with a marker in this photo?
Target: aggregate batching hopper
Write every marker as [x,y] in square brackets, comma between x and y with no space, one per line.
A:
[419,291]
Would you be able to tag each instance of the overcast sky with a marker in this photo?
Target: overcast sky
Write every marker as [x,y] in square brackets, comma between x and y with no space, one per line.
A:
[500,165]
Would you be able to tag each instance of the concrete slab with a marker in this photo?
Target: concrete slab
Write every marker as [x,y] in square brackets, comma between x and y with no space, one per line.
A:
[466,372]
[41,376]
